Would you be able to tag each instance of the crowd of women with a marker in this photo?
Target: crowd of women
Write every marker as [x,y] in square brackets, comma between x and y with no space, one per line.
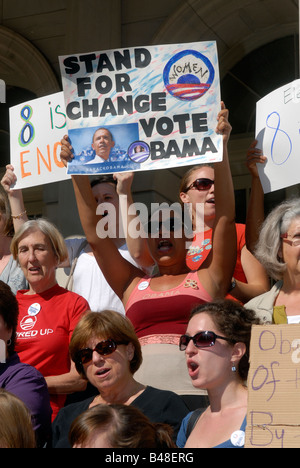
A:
[147,344]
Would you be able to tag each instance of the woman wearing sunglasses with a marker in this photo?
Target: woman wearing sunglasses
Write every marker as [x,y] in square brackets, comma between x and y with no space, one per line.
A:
[107,353]
[159,306]
[216,346]
[249,277]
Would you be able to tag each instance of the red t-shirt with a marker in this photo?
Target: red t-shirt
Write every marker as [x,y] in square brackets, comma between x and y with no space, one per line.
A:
[202,245]
[45,326]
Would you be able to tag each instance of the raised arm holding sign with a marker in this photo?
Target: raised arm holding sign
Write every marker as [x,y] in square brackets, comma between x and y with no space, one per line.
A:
[159,104]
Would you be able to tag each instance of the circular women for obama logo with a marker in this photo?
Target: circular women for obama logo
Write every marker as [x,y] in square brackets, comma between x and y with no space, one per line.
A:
[188,75]
[139,151]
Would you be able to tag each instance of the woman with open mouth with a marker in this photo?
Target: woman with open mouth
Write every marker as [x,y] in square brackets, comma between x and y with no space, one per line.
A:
[48,313]
[159,306]
[197,188]
[107,353]
[216,346]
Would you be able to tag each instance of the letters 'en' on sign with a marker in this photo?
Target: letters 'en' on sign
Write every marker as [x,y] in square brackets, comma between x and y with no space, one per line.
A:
[273,416]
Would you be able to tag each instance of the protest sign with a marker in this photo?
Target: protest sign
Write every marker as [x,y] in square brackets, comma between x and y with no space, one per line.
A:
[142,108]
[36,129]
[273,417]
[2,352]
[278,134]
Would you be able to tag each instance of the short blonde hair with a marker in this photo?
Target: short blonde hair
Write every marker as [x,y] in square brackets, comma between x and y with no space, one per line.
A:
[107,324]
[49,230]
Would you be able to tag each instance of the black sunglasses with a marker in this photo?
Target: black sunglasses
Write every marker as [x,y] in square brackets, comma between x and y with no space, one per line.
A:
[203,339]
[104,348]
[172,224]
[200,184]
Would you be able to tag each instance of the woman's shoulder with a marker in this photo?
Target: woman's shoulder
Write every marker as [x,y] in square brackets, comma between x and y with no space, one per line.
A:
[165,398]
[69,295]
[266,300]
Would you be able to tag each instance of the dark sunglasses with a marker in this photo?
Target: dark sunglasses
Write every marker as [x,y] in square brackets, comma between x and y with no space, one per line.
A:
[203,339]
[104,348]
[200,184]
[172,224]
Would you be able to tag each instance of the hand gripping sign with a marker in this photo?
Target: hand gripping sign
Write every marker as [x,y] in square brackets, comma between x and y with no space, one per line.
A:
[142,108]
[36,129]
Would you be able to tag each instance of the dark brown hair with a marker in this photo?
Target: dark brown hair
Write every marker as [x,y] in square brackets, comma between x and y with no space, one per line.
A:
[234,322]
[9,310]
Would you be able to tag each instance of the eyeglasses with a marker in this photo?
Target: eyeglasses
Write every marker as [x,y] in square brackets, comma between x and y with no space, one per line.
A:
[104,348]
[203,339]
[294,242]
[200,184]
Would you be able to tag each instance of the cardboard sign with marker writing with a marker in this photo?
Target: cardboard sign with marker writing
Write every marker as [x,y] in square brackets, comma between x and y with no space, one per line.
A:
[273,417]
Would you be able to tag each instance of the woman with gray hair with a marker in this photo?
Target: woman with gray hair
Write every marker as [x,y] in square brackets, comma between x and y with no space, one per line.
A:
[278,250]
[48,313]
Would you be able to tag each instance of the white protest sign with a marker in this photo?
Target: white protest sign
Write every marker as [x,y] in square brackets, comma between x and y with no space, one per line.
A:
[158,106]
[36,129]
[2,352]
[278,134]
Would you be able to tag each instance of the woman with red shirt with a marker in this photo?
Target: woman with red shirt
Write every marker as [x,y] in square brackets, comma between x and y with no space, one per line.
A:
[249,278]
[48,313]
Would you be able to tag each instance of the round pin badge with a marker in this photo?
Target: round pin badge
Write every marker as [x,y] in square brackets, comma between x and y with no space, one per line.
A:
[143,285]
[34,309]
[238,438]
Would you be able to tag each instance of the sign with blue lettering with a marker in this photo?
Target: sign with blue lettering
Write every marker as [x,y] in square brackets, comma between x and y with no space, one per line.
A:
[278,135]
[36,130]
[142,108]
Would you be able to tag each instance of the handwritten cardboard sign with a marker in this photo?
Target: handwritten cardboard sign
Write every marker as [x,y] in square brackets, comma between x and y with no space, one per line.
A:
[278,133]
[273,417]
[36,129]
[156,107]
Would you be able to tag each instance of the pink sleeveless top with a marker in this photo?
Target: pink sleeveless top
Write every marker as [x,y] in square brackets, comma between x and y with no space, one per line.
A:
[164,312]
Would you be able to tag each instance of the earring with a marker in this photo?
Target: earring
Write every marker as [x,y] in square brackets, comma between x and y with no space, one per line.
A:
[8,342]
[233,368]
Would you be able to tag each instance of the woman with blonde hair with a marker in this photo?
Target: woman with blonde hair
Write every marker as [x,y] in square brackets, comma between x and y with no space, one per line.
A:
[16,429]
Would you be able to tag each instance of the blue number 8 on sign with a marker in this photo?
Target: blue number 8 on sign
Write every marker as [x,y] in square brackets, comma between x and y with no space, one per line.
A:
[27,133]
